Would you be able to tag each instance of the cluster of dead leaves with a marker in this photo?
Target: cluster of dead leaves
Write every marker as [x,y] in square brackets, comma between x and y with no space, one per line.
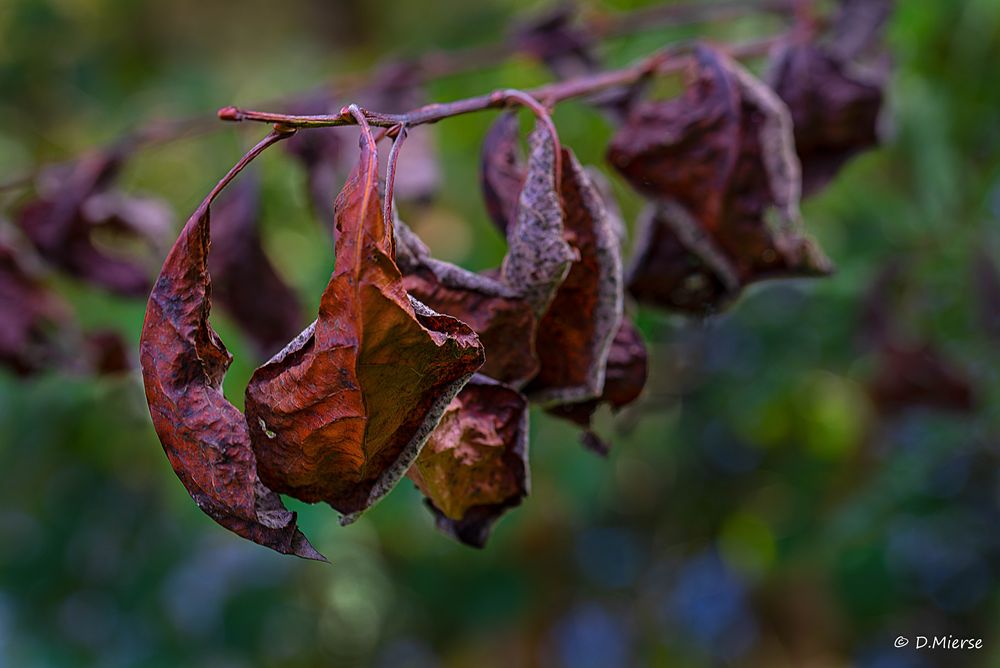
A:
[418,367]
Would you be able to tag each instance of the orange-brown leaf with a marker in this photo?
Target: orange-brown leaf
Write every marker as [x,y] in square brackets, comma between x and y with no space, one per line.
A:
[474,466]
[341,413]
[205,437]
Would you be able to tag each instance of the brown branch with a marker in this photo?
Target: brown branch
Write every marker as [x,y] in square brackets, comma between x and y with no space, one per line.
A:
[661,62]
[436,65]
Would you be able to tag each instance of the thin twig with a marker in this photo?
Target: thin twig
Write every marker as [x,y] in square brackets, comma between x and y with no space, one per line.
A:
[440,64]
[660,62]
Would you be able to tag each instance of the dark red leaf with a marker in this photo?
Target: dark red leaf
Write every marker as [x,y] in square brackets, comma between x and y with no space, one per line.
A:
[504,308]
[834,105]
[106,352]
[245,281]
[919,375]
[575,333]
[30,315]
[340,414]
[205,437]
[624,379]
[58,225]
[538,257]
[474,466]
[721,156]
[502,172]
[552,38]
[676,265]
[503,320]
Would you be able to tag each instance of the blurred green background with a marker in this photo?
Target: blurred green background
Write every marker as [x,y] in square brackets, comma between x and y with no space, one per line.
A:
[757,509]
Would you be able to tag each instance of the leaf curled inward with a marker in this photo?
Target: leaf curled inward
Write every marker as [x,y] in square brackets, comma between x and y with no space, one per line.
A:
[624,380]
[721,157]
[834,107]
[503,320]
[501,171]
[31,314]
[575,333]
[245,282]
[475,464]
[676,265]
[341,413]
[538,258]
[205,437]
[62,221]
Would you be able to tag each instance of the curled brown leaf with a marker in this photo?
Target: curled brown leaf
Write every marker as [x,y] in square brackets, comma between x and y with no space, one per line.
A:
[721,159]
[205,437]
[475,464]
[31,315]
[341,413]
[245,282]
[503,320]
[62,221]
[575,333]
[624,380]
[834,105]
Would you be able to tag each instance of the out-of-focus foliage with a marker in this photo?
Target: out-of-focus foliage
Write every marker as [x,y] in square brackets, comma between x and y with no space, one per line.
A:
[757,507]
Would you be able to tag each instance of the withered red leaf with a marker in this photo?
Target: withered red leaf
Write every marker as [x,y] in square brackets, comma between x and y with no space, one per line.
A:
[504,308]
[834,106]
[576,331]
[538,257]
[909,375]
[723,154]
[552,38]
[676,265]
[30,314]
[503,320]
[205,437]
[624,380]
[474,466]
[341,413]
[909,369]
[61,228]
[244,280]
[501,171]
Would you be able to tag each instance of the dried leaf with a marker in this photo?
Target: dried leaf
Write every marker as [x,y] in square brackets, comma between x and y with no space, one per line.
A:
[538,258]
[502,172]
[475,464]
[575,334]
[503,320]
[30,315]
[910,375]
[553,39]
[58,225]
[106,353]
[624,380]
[723,157]
[676,265]
[205,437]
[341,413]
[834,106]
[245,281]
[504,309]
